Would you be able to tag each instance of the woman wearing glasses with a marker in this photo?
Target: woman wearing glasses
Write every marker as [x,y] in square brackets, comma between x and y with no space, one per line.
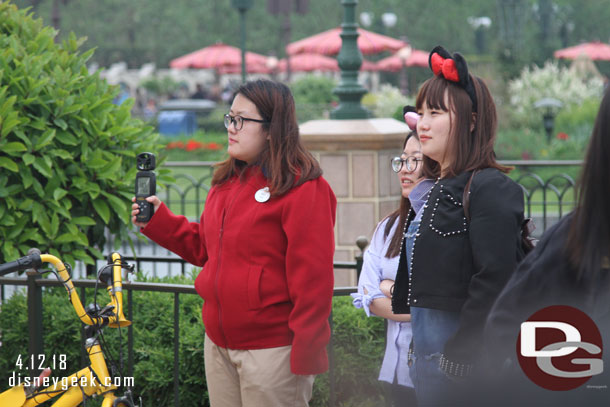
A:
[266,244]
[376,281]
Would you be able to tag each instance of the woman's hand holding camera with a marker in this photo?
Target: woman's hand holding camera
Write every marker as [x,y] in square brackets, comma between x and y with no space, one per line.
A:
[135,209]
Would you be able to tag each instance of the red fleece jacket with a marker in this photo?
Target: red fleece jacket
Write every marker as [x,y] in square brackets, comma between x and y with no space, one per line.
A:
[267,277]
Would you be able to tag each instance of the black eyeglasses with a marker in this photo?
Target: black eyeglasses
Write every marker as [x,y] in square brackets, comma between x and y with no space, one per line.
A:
[411,162]
[238,121]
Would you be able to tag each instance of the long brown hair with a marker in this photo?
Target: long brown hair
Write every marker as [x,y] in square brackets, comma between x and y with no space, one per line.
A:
[284,159]
[468,150]
[588,242]
[401,213]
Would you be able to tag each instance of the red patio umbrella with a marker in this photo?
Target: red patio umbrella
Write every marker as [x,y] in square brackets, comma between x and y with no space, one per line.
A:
[368,65]
[595,50]
[250,68]
[329,43]
[309,62]
[395,63]
[316,62]
[217,56]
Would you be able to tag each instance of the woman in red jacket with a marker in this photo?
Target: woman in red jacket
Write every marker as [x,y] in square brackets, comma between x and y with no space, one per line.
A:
[266,242]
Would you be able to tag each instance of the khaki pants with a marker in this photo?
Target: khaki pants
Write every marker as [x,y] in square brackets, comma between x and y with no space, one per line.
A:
[254,378]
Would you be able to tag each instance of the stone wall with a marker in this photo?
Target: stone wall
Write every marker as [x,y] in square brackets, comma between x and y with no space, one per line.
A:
[355,156]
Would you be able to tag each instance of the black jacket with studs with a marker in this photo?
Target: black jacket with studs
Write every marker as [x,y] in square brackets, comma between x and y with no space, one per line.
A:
[462,266]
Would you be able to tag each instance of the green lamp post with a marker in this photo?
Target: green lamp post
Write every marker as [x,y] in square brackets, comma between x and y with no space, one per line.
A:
[349,91]
[242,6]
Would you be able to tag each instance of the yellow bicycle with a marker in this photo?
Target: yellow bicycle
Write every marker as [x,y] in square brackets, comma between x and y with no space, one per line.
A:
[95,378]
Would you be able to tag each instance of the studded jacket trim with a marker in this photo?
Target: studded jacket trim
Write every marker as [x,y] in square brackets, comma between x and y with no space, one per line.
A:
[461,266]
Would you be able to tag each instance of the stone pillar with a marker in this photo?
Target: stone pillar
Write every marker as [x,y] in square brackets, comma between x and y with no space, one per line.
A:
[355,156]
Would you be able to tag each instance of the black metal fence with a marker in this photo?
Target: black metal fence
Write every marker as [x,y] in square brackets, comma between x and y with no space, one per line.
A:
[548,188]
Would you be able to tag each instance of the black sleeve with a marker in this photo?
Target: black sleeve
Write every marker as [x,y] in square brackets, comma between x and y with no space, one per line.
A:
[496,214]
[400,294]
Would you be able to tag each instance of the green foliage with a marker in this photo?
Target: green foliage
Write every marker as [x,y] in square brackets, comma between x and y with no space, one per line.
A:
[577,121]
[358,345]
[358,352]
[59,324]
[573,125]
[153,333]
[67,152]
[13,314]
[550,81]
[519,144]
[313,89]
[526,144]
[313,96]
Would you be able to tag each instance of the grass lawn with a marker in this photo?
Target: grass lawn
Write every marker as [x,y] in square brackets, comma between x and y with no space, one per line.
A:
[187,195]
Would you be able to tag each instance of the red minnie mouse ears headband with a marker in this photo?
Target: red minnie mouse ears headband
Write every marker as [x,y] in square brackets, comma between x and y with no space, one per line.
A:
[454,69]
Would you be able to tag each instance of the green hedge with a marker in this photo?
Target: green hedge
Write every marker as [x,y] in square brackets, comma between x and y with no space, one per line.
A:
[358,346]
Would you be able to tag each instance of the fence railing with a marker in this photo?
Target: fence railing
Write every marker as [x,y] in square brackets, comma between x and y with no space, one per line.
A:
[548,189]
[556,191]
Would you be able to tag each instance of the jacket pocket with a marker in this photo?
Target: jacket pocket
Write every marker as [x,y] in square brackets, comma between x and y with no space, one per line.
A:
[254,281]
[447,218]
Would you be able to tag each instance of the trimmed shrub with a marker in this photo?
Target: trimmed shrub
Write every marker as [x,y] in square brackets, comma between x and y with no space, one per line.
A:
[67,153]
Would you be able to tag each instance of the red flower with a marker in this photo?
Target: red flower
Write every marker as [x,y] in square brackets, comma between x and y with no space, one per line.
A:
[562,136]
[213,146]
[526,155]
[193,145]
